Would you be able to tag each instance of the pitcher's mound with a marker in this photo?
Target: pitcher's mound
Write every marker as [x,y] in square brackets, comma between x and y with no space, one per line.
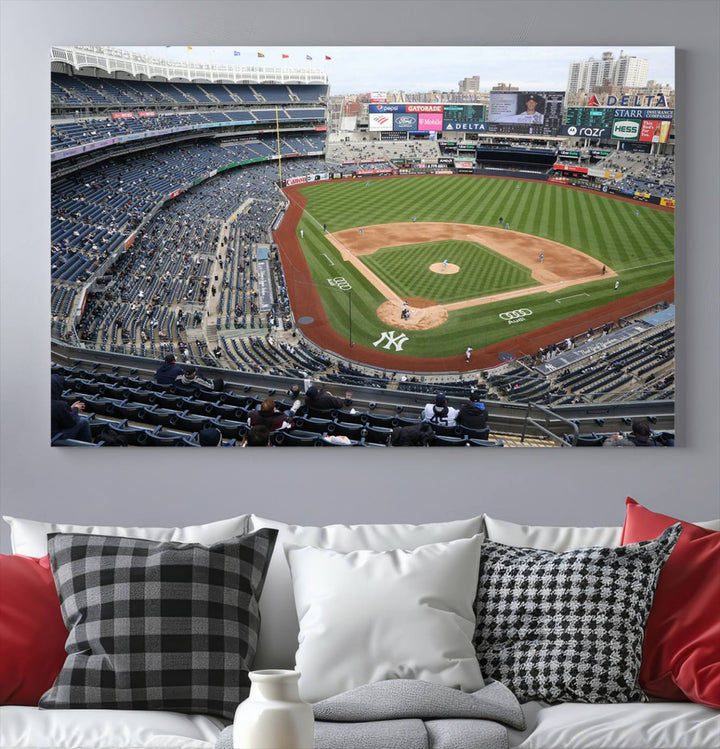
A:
[440,268]
[421,318]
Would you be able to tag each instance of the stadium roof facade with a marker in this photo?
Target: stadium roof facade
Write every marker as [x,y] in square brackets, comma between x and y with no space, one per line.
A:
[113,60]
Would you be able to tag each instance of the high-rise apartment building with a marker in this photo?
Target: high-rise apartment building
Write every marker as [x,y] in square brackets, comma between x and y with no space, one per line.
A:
[625,70]
[469,84]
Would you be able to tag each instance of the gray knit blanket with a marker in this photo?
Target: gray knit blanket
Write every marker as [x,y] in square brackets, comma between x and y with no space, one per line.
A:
[409,714]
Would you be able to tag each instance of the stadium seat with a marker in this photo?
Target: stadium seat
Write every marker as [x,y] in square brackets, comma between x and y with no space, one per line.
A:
[161,439]
[406,421]
[309,424]
[190,422]
[381,420]
[294,438]
[478,434]
[167,400]
[156,416]
[58,442]
[351,431]
[485,443]
[442,441]
[130,435]
[377,435]
[590,440]
[231,429]
[350,418]
[447,431]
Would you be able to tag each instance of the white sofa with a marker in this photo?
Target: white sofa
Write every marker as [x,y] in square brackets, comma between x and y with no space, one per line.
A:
[651,725]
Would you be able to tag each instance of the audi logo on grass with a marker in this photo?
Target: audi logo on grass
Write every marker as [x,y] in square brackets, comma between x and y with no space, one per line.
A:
[515,315]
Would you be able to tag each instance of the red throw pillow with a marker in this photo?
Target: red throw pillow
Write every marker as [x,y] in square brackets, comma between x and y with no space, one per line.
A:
[681,650]
[32,632]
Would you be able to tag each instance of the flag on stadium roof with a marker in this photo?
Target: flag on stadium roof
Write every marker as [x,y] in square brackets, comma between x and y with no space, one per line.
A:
[327,57]
[236,53]
[260,54]
[285,57]
[307,57]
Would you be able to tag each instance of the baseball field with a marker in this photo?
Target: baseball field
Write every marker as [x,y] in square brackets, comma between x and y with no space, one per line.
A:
[414,270]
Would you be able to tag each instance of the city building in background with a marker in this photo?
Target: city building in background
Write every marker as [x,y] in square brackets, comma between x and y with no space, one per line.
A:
[625,70]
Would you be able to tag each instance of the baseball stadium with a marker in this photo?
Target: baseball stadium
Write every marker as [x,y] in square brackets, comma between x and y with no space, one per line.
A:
[240,257]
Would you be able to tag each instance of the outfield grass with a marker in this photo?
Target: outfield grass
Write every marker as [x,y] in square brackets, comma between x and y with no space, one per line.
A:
[640,248]
[406,269]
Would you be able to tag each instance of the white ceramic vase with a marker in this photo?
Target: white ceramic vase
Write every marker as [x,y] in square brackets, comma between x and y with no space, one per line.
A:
[274,716]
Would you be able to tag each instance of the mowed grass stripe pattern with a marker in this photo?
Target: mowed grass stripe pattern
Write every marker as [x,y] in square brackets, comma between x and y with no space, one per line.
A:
[640,247]
[406,269]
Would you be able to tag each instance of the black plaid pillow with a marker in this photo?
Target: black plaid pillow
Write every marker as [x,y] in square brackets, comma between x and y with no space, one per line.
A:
[567,627]
[158,625]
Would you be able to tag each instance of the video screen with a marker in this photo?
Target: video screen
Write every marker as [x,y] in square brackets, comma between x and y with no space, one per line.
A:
[521,107]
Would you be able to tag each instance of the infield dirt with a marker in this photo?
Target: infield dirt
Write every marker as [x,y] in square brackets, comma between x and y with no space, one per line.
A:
[562,266]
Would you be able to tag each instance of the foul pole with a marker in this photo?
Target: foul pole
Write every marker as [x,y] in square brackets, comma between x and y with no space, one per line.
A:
[277,131]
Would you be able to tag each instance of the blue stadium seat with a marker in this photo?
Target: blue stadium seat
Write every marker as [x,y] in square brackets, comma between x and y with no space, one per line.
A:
[294,438]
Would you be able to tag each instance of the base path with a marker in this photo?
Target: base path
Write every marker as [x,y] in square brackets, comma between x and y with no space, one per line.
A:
[306,302]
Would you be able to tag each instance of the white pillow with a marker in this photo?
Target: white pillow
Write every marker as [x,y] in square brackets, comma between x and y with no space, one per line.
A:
[29,537]
[279,627]
[549,537]
[559,538]
[367,616]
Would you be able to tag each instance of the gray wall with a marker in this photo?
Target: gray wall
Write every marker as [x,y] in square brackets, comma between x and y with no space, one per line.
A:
[534,486]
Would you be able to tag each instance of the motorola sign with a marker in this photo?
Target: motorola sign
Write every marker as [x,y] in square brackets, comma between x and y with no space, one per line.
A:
[576,131]
[626,129]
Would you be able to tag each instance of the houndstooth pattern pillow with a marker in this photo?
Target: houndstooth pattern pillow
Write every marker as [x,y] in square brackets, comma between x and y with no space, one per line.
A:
[567,627]
[157,625]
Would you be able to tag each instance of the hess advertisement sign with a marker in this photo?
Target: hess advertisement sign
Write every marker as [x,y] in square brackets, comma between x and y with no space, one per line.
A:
[626,129]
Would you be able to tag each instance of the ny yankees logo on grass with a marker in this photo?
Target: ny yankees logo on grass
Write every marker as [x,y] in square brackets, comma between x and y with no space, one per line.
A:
[391,338]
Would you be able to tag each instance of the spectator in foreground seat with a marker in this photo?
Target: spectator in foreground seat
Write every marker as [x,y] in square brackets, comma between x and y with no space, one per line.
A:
[473,414]
[258,436]
[641,435]
[210,437]
[190,378]
[168,371]
[268,416]
[66,420]
[320,400]
[439,412]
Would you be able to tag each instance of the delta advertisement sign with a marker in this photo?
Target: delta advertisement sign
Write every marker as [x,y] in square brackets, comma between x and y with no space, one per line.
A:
[629,100]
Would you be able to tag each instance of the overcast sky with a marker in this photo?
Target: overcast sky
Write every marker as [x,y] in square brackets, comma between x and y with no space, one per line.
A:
[363,69]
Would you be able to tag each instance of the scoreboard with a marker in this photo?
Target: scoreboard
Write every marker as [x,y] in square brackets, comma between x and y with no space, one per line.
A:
[589,116]
[464,113]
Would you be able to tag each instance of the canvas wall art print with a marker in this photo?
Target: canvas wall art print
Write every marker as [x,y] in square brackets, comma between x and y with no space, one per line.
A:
[364,247]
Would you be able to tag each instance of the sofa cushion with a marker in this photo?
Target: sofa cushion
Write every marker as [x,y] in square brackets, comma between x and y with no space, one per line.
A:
[367,616]
[681,650]
[157,625]
[29,537]
[567,626]
[32,632]
[30,728]
[549,537]
[559,537]
[648,725]
[279,633]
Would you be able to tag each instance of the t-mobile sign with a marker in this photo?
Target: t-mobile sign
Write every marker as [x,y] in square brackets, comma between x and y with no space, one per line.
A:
[430,121]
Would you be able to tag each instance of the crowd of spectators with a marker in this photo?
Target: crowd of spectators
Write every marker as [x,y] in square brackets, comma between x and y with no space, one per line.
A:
[156,293]
[643,172]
